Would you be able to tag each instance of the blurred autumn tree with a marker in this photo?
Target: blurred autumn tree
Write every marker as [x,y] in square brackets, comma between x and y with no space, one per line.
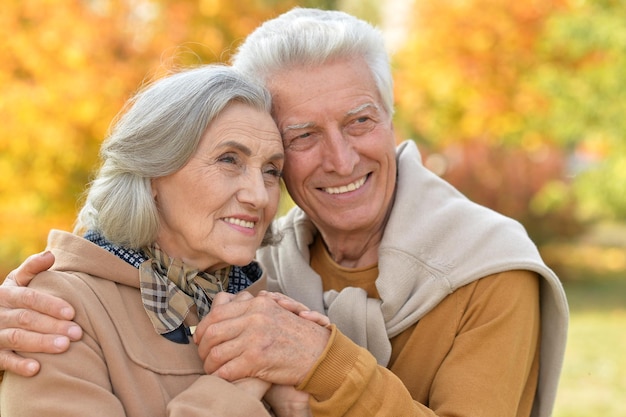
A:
[508,97]
[67,68]
[519,104]
[584,76]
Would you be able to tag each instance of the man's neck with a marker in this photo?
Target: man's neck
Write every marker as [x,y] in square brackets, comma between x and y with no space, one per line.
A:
[353,250]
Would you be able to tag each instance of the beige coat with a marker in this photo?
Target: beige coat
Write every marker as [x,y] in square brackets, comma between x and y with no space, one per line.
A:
[121,367]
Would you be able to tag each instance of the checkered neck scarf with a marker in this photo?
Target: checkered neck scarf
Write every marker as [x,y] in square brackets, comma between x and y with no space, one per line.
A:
[169,289]
[240,277]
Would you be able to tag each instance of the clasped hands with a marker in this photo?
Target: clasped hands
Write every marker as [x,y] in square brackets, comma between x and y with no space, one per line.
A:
[265,344]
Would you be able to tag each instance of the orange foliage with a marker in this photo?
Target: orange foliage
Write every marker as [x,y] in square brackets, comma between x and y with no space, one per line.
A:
[465,89]
[461,74]
[67,69]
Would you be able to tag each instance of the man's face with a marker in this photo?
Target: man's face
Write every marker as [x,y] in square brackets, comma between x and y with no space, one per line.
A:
[339,145]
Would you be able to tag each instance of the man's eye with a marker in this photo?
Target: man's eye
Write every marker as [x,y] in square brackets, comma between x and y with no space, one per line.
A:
[300,141]
[360,126]
[292,137]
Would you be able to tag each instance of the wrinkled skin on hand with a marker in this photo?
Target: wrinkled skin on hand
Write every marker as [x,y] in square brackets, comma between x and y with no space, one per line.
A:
[31,321]
[269,337]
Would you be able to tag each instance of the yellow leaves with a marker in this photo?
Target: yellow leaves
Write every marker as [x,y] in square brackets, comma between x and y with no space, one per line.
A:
[470,60]
[210,8]
[67,68]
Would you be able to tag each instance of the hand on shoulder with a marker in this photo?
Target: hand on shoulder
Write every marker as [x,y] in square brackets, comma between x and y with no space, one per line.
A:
[31,321]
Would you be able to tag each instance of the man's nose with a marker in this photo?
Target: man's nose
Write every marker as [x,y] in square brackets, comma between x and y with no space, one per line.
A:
[338,155]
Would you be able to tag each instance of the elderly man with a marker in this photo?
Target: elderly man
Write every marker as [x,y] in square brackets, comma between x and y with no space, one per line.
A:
[439,306]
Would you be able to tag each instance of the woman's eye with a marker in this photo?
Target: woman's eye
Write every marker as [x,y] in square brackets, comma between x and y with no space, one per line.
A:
[228,159]
[274,172]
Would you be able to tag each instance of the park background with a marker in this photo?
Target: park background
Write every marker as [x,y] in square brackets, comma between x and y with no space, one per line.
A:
[521,105]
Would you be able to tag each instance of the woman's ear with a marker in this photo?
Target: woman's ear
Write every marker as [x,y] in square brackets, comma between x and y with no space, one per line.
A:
[153,188]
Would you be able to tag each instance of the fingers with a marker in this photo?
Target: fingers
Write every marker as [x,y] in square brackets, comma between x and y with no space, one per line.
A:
[25,329]
[219,339]
[12,362]
[253,386]
[12,297]
[315,317]
[32,321]
[18,339]
[19,321]
[260,338]
[220,299]
[30,267]
[285,302]
[287,401]
[22,340]
[26,341]
[297,307]
[214,341]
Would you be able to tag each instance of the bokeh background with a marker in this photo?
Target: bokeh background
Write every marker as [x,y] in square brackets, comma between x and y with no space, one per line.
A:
[521,105]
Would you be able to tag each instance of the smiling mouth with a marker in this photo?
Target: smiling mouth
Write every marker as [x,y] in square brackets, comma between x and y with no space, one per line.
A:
[239,222]
[346,188]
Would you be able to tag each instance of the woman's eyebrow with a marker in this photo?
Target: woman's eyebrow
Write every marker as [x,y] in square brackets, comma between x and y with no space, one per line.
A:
[247,151]
[239,146]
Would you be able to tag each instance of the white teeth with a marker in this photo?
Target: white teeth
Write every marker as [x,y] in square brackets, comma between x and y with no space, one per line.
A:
[346,188]
[239,222]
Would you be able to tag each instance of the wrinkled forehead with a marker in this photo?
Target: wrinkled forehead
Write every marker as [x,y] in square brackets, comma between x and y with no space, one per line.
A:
[341,86]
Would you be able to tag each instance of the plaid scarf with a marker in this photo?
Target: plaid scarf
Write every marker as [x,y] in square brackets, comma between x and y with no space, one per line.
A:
[169,289]
[238,278]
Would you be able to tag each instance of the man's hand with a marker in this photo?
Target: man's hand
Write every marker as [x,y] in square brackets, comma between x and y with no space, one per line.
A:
[246,336]
[31,321]
[297,307]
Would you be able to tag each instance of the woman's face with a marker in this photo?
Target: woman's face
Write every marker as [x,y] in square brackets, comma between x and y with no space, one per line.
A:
[215,210]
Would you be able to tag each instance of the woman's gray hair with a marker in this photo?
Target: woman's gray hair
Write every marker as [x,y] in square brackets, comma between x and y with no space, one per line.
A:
[155,135]
[311,37]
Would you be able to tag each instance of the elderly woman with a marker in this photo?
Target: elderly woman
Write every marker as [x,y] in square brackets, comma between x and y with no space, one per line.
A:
[187,190]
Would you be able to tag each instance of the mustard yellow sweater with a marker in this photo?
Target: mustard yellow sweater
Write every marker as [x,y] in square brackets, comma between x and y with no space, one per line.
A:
[465,320]
[475,354]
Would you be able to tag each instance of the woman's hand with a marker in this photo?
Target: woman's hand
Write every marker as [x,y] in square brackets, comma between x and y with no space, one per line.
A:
[286,401]
[253,386]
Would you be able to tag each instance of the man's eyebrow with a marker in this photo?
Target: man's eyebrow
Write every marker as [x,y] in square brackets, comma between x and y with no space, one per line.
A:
[362,107]
[297,126]
[352,112]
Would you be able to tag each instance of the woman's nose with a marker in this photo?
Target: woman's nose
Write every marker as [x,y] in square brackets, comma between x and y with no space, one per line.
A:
[253,190]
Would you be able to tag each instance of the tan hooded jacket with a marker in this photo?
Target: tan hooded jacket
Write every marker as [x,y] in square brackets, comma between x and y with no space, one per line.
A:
[121,366]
